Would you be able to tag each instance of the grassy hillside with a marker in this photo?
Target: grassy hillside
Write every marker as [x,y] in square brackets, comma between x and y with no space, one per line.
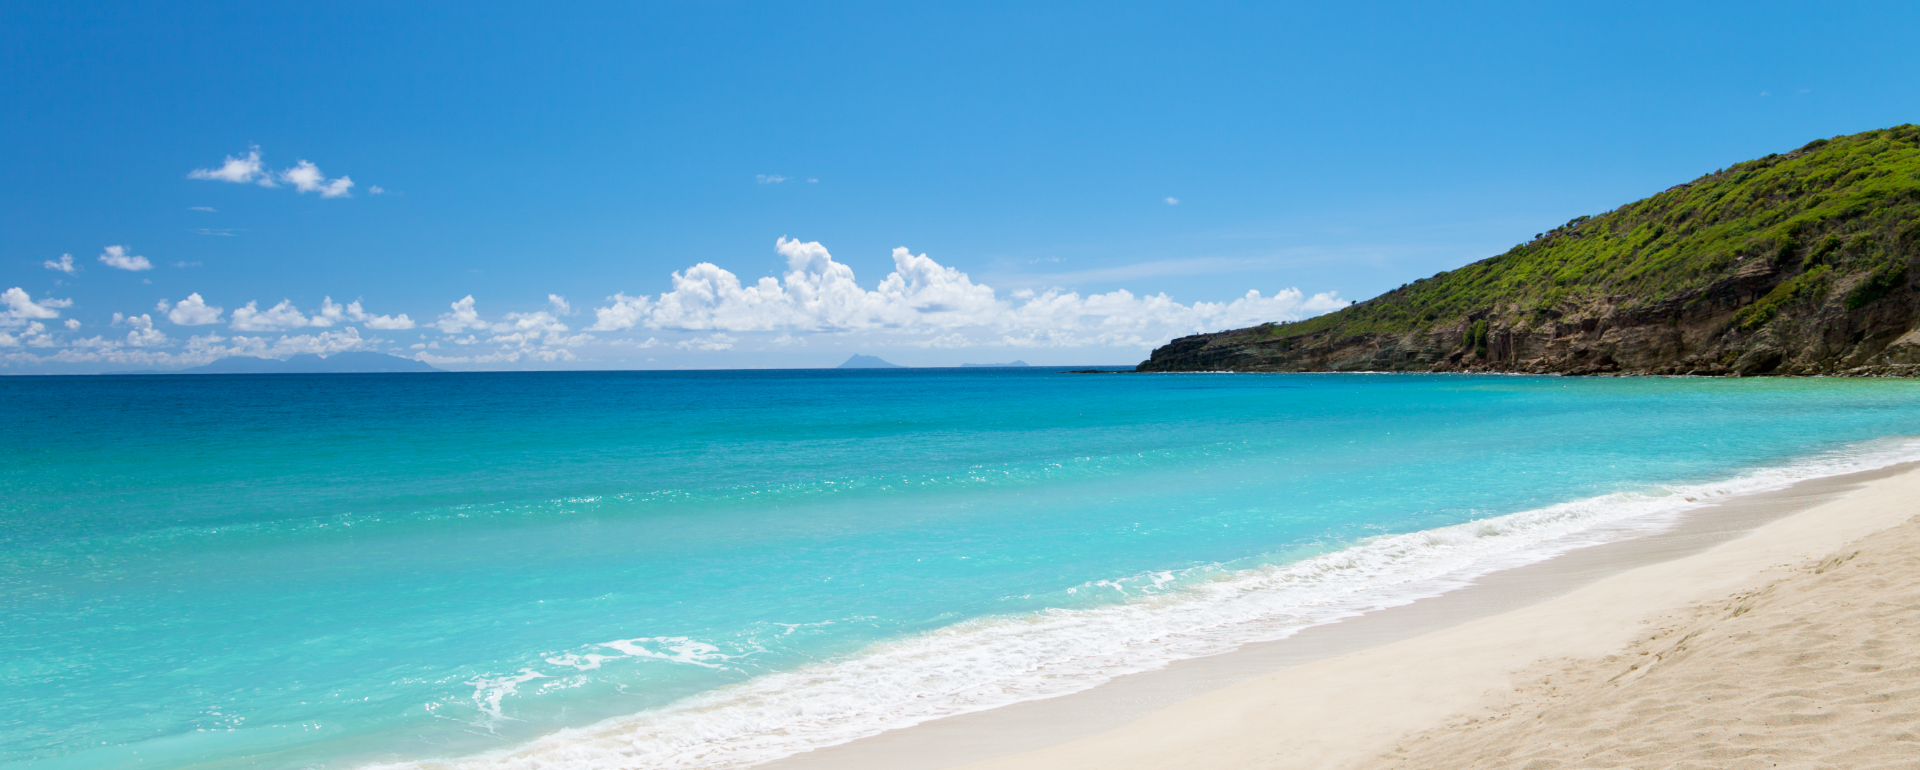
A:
[1838,214]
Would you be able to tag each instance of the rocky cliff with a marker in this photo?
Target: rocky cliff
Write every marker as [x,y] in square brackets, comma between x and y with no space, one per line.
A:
[1801,263]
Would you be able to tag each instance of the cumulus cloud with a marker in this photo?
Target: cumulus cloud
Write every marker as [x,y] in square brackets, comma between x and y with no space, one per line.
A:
[919,303]
[35,335]
[143,335]
[306,177]
[72,323]
[625,313]
[921,296]
[117,257]
[332,313]
[462,318]
[236,170]
[277,318]
[20,307]
[192,311]
[64,264]
[391,322]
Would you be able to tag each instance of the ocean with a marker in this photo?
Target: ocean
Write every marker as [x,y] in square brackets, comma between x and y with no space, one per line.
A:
[713,569]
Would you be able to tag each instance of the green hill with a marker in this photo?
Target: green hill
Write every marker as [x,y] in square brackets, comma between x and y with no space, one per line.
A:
[1798,263]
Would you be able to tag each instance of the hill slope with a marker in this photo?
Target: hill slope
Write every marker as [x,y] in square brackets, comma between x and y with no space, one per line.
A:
[1802,263]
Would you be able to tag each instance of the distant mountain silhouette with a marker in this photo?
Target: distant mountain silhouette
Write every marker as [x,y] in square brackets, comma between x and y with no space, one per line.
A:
[1009,364]
[308,363]
[868,362]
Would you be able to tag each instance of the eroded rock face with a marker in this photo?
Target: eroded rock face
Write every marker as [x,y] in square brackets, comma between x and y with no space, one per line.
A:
[1696,335]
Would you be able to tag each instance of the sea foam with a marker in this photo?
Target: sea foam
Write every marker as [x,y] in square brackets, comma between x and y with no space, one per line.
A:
[996,661]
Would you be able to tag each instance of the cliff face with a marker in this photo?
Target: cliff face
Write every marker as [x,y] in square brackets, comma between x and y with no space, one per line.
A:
[1803,263]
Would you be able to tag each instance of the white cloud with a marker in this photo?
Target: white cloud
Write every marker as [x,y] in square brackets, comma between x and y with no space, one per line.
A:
[1172,201]
[279,317]
[919,303]
[393,322]
[376,190]
[192,311]
[329,314]
[306,177]
[64,265]
[209,347]
[625,313]
[143,334]
[715,341]
[34,336]
[117,257]
[72,323]
[21,307]
[769,178]
[818,294]
[462,318]
[237,170]
[208,209]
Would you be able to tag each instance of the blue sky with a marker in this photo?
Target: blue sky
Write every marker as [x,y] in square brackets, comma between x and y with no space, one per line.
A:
[561,163]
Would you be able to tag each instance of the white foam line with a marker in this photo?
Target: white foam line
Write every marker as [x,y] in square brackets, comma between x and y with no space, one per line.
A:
[997,661]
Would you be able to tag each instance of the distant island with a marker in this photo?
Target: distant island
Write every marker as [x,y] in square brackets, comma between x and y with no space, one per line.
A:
[308,363]
[1802,263]
[997,366]
[868,362]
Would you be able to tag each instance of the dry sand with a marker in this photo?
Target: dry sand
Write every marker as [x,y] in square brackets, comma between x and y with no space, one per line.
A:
[1797,645]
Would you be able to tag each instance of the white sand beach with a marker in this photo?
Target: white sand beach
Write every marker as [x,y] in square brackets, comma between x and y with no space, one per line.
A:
[1771,630]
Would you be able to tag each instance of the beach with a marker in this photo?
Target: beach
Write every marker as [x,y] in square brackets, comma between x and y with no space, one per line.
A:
[1770,630]
[973,568]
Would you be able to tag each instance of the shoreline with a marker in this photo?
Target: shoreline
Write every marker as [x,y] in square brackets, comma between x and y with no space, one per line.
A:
[1347,657]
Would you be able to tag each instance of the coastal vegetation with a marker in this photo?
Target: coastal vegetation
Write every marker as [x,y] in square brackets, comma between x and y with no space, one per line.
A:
[1801,262]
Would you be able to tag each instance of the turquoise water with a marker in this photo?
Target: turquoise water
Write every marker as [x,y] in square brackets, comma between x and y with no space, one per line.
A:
[715,568]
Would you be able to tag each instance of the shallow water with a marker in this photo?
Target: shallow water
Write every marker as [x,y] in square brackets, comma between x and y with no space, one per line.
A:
[716,568]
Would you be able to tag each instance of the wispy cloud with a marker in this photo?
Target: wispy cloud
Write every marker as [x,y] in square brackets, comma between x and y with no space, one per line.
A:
[208,209]
[769,178]
[1138,270]
[221,231]
[1172,201]
[64,264]
[304,176]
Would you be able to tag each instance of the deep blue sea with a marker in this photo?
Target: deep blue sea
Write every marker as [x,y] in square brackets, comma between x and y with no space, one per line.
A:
[711,569]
